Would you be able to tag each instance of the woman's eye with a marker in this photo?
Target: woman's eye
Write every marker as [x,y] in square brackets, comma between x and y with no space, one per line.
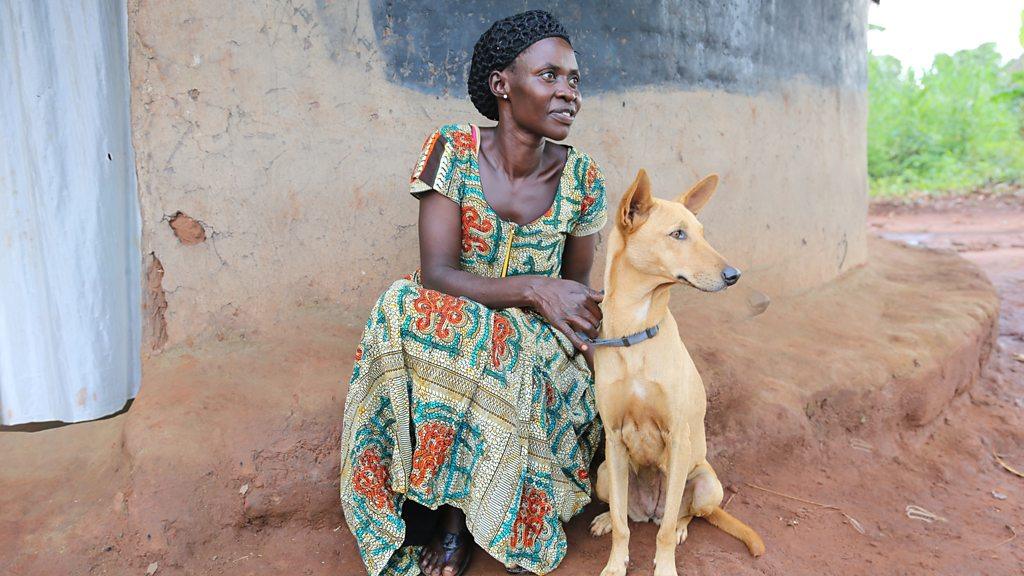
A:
[574,81]
[549,75]
[678,235]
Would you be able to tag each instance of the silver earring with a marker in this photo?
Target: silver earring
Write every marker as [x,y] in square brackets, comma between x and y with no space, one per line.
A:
[505,96]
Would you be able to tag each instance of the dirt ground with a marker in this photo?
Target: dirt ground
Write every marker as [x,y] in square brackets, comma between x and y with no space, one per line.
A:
[830,414]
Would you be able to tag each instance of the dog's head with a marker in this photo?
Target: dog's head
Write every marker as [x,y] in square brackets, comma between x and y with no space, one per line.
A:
[665,239]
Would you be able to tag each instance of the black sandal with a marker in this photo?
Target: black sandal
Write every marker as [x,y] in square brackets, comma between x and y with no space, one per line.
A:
[517,569]
[451,542]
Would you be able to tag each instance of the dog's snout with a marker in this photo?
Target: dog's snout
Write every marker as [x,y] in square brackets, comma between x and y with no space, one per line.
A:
[730,275]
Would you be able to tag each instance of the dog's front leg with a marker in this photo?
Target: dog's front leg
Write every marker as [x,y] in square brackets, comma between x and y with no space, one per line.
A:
[617,460]
[675,475]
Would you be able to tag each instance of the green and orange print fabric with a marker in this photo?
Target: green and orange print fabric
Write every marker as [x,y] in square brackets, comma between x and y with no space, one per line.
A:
[452,402]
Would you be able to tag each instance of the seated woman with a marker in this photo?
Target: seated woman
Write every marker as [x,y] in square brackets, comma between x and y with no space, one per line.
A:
[472,392]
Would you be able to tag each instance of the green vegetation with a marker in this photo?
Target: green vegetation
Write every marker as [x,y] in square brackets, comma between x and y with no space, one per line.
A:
[955,127]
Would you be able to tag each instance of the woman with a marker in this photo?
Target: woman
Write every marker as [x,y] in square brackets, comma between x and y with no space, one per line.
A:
[471,392]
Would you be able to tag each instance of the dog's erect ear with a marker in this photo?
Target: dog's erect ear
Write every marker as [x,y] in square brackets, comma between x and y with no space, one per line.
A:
[636,203]
[695,198]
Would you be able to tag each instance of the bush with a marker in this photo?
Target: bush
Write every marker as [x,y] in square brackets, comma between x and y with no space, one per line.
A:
[956,127]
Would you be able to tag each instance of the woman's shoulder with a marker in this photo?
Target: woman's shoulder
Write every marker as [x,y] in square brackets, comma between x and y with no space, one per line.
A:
[451,129]
[446,153]
[586,194]
[585,170]
[459,140]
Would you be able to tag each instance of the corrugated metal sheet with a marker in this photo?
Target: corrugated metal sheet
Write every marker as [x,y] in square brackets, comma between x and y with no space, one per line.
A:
[70,284]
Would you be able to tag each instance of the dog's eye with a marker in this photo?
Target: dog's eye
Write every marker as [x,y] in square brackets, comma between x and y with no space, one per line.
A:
[678,235]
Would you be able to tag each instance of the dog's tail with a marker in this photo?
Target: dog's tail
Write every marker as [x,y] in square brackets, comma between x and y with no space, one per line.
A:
[737,529]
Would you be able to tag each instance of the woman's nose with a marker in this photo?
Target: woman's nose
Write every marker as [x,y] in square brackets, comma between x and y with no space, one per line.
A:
[566,92]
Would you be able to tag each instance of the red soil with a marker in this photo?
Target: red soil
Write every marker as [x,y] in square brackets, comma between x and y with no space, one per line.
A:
[867,395]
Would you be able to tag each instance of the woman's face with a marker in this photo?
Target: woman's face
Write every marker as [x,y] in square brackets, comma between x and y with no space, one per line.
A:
[543,88]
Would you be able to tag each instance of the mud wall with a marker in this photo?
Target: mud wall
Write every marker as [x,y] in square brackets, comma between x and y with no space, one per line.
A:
[274,139]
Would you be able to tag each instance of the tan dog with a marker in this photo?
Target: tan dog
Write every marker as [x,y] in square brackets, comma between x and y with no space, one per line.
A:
[650,397]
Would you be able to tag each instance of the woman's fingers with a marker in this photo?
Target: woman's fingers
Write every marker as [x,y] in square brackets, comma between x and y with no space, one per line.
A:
[583,313]
[566,329]
[428,562]
[594,309]
[592,304]
[583,324]
[588,355]
[591,317]
[581,327]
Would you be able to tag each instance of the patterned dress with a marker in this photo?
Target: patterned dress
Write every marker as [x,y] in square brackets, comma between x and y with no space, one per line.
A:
[451,402]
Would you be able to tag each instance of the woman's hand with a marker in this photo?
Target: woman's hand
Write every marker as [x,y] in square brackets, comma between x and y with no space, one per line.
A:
[588,355]
[569,306]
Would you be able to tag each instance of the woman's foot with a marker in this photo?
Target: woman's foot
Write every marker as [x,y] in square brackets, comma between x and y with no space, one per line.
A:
[448,552]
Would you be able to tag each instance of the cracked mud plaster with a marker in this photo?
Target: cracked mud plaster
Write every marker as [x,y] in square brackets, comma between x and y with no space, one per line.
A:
[155,305]
[187,229]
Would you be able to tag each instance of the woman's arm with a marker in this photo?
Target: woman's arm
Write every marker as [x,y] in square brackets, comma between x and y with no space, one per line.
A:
[440,227]
[578,258]
[569,305]
[577,261]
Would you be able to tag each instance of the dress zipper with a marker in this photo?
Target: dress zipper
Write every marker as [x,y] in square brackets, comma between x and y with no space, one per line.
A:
[508,253]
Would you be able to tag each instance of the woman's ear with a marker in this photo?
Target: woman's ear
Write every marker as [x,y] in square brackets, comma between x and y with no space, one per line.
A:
[498,82]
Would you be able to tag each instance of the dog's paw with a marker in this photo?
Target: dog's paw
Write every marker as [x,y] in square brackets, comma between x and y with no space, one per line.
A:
[681,533]
[601,524]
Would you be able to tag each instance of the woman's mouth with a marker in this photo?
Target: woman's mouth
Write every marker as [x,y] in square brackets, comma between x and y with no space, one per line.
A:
[564,116]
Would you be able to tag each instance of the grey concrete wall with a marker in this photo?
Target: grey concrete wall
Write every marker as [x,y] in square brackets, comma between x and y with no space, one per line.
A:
[284,134]
[742,45]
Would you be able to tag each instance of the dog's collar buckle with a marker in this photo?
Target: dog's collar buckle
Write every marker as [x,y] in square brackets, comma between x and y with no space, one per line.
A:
[626,341]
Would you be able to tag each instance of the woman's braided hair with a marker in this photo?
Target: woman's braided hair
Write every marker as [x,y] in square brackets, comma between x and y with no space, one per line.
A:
[499,46]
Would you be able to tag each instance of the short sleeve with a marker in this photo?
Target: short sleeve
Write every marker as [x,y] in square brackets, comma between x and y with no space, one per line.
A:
[436,168]
[593,204]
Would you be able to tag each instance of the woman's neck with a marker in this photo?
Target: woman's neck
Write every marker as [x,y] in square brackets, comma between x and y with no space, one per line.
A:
[517,153]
